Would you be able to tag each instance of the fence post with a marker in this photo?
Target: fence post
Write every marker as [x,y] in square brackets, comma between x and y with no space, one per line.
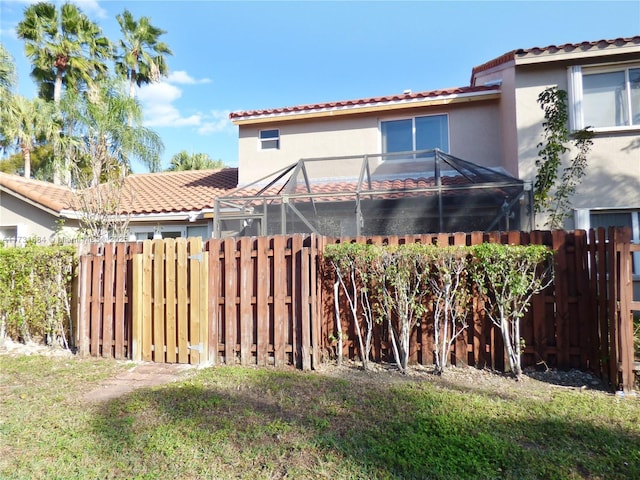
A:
[625,345]
[136,308]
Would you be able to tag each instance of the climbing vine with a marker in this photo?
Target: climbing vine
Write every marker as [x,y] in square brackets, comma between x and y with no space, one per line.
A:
[553,194]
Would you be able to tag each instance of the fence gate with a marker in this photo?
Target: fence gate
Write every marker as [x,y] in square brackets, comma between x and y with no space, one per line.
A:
[170,302]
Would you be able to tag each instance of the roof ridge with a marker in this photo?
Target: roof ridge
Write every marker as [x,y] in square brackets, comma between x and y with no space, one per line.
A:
[511,55]
[363,101]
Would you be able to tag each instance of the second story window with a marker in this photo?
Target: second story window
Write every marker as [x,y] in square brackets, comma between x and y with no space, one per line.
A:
[605,98]
[269,139]
[417,133]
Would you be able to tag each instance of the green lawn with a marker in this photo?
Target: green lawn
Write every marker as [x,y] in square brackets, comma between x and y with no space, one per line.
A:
[235,422]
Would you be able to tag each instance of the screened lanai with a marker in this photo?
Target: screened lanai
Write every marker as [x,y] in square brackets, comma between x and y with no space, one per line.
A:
[406,193]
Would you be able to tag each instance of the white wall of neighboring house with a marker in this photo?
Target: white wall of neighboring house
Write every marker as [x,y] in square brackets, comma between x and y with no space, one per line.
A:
[21,219]
[474,135]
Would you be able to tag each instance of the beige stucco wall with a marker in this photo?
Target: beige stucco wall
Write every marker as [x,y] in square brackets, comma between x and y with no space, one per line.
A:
[613,174]
[31,221]
[474,135]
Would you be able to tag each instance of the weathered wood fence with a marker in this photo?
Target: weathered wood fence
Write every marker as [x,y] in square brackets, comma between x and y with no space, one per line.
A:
[266,300]
[245,300]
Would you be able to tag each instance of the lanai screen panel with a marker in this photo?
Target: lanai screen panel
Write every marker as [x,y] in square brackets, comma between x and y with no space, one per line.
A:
[407,193]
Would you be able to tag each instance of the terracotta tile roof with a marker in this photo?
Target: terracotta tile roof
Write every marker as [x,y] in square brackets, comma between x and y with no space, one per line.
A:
[372,101]
[551,49]
[185,191]
[164,192]
[44,194]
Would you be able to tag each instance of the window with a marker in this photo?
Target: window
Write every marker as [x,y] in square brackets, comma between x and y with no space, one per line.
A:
[586,219]
[605,98]
[418,133]
[269,139]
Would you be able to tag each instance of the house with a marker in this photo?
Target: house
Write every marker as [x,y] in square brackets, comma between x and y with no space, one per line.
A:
[167,204]
[494,122]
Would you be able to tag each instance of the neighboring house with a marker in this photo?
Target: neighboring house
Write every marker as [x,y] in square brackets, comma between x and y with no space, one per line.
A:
[495,122]
[167,204]
[602,79]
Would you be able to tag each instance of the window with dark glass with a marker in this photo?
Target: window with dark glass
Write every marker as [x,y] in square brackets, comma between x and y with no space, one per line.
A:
[418,133]
[269,139]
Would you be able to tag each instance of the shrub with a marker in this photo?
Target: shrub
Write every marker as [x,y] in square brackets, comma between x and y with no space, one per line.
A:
[35,292]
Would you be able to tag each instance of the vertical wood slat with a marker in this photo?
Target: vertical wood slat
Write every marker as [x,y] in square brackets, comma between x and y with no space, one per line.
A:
[182,309]
[305,315]
[147,313]
[213,247]
[171,337]
[295,305]
[246,307]
[625,346]
[279,299]
[603,322]
[316,304]
[262,298]
[612,298]
[196,343]
[107,301]
[230,310]
[203,308]
[585,314]
[137,307]
[157,274]
[84,317]
[119,299]
[561,293]
[96,292]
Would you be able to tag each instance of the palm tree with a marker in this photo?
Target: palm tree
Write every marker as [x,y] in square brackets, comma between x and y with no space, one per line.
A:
[141,55]
[193,161]
[64,46]
[24,123]
[108,126]
[7,73]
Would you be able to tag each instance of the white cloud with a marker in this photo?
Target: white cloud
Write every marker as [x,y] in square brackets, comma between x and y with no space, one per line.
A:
[182,77]
[157,101]
[216,121]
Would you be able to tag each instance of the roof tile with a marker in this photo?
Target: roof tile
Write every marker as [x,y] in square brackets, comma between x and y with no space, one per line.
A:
[164,192]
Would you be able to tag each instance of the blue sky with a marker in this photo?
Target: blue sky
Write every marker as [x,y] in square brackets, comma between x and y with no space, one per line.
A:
[235,55]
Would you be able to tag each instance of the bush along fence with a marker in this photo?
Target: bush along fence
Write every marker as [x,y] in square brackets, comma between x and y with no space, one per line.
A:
[35,292]
[296,300]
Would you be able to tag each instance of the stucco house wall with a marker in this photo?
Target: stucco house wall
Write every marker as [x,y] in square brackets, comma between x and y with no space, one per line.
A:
[474,135]
[29,220]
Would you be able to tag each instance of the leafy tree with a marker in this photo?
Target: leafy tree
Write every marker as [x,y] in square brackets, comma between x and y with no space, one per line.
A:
[193,161]
[550,194]
[404,276]
[357,269]
[509,276]
[450,297]
[24,123]
[63,45]
[141,56]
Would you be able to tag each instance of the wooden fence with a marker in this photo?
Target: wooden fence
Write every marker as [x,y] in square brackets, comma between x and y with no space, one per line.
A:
[268,301]
[152,300]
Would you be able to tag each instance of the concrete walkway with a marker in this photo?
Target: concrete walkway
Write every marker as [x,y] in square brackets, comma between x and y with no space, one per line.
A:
[142,375]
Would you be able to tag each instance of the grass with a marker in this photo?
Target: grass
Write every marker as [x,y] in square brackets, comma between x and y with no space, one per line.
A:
[236,422]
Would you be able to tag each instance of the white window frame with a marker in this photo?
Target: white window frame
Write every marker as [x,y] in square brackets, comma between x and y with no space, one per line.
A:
[264,143]
[582,221]
[413,129]
[576,100]
[156,230]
